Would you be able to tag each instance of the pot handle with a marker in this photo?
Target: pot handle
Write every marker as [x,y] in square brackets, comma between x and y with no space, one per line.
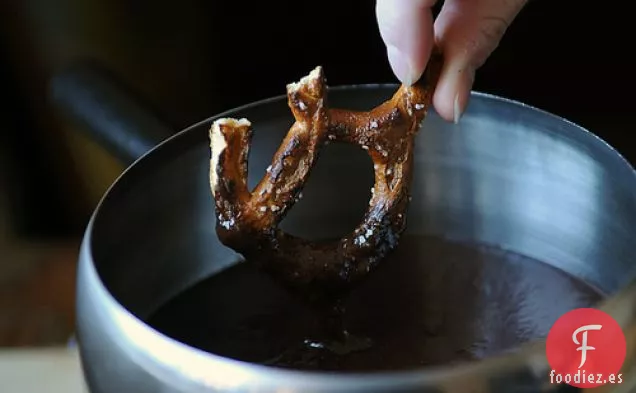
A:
[103,108]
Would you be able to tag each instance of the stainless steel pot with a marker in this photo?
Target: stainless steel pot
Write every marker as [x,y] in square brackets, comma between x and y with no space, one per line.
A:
[507,174]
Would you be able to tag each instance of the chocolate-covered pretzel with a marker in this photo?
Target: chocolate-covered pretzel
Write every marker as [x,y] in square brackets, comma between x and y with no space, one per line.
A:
[247,221]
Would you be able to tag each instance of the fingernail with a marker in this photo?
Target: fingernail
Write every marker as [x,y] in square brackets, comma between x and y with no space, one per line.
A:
[401,66]
[456,111]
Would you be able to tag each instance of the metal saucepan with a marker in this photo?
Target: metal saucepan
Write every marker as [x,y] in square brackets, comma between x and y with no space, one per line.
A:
[508,175]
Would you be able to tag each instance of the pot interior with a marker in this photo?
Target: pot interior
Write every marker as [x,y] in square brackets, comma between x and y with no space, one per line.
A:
[517,217]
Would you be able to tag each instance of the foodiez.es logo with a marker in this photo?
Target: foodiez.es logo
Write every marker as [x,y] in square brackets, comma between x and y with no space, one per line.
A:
[586,348]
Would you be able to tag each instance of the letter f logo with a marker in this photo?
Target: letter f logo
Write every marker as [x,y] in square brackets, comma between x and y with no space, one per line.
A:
[584,347]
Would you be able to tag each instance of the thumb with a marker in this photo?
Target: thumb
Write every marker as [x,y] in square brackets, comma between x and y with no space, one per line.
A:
[467,31]
[406,26]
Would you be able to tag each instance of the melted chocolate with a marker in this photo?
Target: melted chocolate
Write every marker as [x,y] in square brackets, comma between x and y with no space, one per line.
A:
[431,302]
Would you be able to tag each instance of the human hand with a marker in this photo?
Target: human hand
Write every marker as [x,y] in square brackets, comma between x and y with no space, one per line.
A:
[467,32]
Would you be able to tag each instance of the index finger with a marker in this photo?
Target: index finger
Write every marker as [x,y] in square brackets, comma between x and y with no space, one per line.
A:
[406,26]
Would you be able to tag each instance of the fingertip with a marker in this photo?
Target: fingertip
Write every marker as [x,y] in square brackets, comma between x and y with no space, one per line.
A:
[468,32]
[442,106]
[406,69]
[406,27]
[453,92]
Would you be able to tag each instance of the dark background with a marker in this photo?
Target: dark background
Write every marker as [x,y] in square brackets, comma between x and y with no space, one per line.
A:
[193,58]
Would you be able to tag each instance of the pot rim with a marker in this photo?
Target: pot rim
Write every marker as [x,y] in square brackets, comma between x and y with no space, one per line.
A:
[215,370]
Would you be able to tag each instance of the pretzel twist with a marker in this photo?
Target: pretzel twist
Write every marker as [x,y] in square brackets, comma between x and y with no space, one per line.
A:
[247,221]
